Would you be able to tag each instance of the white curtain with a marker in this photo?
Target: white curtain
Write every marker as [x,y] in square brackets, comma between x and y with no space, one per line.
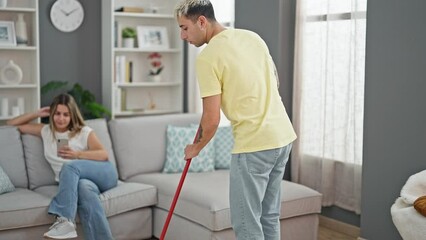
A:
[328,102]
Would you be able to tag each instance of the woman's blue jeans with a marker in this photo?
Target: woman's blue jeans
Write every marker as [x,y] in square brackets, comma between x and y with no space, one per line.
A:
[255,193]
[80,184]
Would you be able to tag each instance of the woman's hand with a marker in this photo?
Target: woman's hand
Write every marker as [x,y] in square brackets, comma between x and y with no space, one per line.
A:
[43,112]
[23,122]
[67,153]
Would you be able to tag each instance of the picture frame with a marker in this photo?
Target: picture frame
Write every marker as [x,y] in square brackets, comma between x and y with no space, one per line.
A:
[152,37]
[7,33]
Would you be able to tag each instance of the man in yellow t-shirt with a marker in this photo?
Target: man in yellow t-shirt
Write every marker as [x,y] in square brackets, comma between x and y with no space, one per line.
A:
[236,73]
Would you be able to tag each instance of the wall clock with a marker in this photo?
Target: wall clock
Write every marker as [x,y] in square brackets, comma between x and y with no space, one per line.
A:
[67,15]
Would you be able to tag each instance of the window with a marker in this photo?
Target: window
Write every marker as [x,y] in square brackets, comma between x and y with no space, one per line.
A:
[329,99]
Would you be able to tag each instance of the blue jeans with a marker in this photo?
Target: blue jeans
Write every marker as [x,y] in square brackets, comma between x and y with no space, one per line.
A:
[80,184]
[255,193]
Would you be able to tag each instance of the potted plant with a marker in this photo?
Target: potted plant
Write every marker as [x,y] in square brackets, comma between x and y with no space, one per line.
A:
[156,66]
[128,34]
[85,100]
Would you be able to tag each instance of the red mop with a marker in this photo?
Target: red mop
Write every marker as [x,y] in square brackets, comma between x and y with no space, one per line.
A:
[175,198]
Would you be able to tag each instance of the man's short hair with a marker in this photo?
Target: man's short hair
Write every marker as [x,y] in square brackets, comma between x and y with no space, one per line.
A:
[192,9]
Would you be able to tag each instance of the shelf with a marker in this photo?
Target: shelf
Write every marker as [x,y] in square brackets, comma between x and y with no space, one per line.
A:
[143,15]
[142,50]
[5,118]
[145,112]
[16,9]
[19,48]
[148,84]
[18,86]
[27,57]
[127,99]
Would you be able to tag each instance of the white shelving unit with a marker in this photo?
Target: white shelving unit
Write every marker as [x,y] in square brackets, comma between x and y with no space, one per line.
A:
[26,57]
[141,96]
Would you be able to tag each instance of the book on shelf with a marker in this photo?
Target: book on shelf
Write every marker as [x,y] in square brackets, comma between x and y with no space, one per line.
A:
[117,99]
[129,68]
[123,70]
[123,101]
[120,99]
[127,75]
[130,9]
[120,69]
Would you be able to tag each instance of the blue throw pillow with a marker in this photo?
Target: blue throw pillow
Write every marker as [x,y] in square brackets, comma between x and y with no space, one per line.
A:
[5,183]
[177,139]
[223,144]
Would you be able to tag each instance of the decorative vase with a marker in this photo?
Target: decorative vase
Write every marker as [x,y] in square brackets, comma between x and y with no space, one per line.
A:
[15,111]
[11,74]
[128,42]
[155,78]
[21,30]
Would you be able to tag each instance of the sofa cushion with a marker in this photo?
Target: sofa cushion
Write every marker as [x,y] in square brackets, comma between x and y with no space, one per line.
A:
[39,171]
[204,198]
[23,208]
[123,198]
[101,129]
[140,142]
[177,139]
[12,156]
[5,183]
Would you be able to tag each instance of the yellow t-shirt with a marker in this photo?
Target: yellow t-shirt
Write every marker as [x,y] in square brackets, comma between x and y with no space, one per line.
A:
[236,64]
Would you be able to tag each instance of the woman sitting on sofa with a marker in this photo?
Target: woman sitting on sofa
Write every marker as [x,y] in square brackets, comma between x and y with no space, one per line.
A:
[81,168]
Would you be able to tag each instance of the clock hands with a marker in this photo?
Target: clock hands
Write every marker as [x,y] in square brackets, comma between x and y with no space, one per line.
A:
[68,13]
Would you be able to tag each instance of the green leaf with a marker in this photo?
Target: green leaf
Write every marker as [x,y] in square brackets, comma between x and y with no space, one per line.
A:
[51,86]
[84,99]
[128,32]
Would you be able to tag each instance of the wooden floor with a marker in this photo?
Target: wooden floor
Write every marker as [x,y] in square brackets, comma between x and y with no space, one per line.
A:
[328,234]
[325,234]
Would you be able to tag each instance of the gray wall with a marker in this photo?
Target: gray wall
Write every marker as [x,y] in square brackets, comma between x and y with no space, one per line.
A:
[75,56]
[395,109]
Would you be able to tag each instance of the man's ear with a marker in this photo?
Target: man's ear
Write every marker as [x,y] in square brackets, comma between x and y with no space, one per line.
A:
[202,21]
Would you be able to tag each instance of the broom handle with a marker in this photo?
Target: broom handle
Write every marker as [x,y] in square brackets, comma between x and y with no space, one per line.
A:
[179,188]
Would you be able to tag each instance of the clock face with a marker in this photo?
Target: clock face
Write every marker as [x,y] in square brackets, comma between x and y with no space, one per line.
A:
[67,15]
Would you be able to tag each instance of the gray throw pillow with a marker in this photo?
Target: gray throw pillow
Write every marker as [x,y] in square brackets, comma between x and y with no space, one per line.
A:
[5,183]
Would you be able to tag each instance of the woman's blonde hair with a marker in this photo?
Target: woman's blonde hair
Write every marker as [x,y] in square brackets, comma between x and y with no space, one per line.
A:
[76,120]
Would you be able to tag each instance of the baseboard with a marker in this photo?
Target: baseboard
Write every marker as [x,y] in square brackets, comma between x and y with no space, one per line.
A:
[341,227]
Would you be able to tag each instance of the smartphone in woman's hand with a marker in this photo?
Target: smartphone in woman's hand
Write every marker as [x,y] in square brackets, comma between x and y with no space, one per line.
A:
[60,143]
